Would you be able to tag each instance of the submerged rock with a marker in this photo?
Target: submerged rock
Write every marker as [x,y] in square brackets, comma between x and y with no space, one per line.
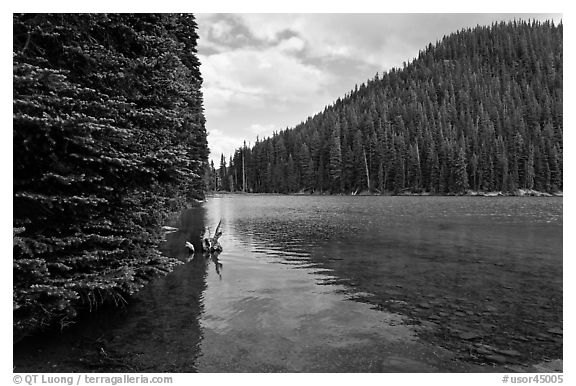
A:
[494,358]
[554,366]
[470,335]
[401,364]
[555,330]
[510,353]
[484,351]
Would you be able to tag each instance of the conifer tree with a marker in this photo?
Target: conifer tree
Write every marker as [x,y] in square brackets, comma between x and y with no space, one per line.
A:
[335,164]
[109,140]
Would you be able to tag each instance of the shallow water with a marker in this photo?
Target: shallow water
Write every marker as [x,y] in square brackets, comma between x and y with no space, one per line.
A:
[331,284]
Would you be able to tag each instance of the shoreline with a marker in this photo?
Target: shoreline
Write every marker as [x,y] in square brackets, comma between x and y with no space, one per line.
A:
[470,193]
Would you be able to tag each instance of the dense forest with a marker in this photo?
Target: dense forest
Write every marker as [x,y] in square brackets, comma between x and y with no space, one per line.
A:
[109,139]
[480,110]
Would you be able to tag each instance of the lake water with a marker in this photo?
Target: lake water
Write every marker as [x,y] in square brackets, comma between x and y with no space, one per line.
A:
[338,284]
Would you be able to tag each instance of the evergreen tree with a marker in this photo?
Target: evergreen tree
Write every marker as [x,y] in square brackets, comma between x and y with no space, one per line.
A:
[108,139]
[460,173]
[223,172]
[335,165]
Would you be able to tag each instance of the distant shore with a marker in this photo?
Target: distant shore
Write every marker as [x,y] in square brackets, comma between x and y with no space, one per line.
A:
[471,193]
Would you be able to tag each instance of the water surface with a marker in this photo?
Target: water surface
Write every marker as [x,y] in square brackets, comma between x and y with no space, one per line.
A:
[330,284]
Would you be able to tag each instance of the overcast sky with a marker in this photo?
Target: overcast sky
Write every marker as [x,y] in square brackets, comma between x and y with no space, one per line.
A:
[265,72]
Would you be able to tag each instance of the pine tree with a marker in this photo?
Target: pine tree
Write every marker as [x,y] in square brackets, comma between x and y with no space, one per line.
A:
[335,165]
[292,182]
[461,175]
[109,140]
[224,180]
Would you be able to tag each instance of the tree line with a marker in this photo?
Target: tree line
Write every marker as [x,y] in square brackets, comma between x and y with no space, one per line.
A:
[108,140]
[480,110]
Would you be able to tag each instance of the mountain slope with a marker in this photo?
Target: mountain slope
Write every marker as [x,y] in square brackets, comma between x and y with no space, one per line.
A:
[480,110]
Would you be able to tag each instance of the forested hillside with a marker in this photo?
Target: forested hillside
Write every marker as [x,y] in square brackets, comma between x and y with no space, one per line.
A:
[109,139]
[480,110]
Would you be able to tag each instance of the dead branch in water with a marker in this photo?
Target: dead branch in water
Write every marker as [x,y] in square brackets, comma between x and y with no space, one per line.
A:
[211,244]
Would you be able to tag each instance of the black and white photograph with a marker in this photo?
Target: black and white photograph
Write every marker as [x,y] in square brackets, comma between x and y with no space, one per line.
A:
[247,192]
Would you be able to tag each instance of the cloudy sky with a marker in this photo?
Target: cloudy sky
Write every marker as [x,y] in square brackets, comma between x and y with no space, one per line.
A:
[265,72]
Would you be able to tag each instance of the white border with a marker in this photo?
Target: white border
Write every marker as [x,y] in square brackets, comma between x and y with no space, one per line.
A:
[300,6]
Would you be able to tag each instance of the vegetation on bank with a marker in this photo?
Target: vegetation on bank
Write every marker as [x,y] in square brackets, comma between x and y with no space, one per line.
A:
[471,193]
[479,110]
[108,139]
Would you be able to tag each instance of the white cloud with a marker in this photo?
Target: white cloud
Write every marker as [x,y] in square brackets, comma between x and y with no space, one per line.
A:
[227,143]
[328,35]
[293,44]
[221,30]
[222,143]
[255,78]
[267,27]
[384,40]
[262,130]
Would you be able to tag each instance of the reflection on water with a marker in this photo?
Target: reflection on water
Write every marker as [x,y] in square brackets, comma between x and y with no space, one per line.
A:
[336,284]
[269,317]
[158,332]
[484,275]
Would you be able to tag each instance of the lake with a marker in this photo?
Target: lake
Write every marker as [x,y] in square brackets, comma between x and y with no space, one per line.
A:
[338,284]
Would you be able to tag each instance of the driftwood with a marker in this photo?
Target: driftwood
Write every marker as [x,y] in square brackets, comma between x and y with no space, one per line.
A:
[211,248]
[211,244]
[168,229]
[189,246]
[217,264]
